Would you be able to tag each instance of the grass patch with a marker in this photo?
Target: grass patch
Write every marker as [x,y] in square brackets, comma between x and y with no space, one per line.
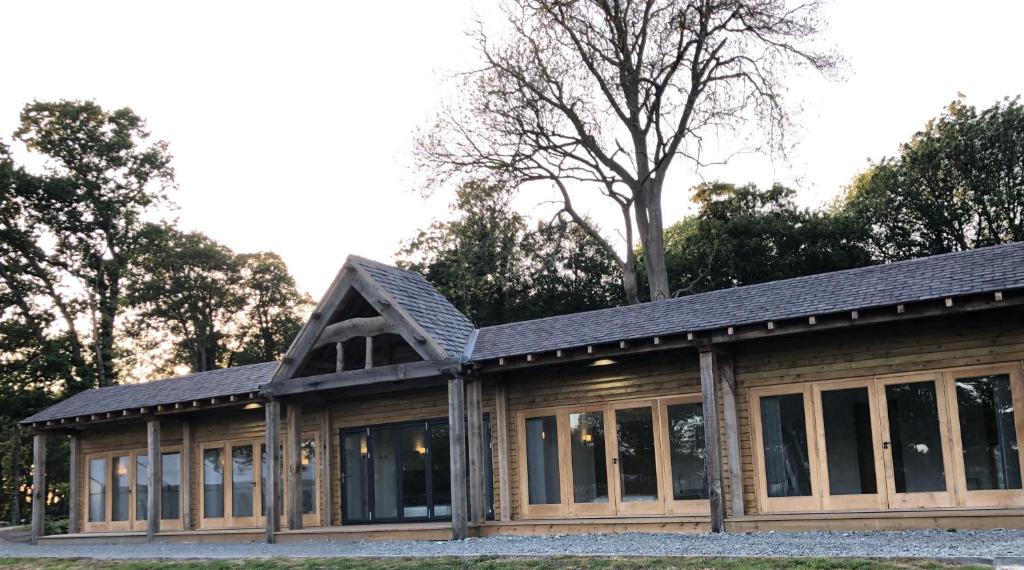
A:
[484,563]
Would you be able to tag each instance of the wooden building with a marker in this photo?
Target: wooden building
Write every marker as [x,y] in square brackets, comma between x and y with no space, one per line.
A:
[876,398]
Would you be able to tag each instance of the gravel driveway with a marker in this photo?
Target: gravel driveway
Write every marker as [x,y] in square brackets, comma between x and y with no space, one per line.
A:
[989,544]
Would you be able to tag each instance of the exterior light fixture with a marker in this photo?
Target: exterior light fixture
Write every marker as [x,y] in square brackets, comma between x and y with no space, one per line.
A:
[602,362]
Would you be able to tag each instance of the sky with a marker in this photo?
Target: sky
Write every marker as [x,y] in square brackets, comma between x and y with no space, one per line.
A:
[291,123]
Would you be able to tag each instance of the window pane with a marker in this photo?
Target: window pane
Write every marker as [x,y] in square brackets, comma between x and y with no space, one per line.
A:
[441,470]
[784,431]
[355,477]
[542,461]
[414,472]
[589,464]
[686,450]
[120,503]
[170,487]
[915,437]
[243,481]
[141,487]
[988,432]
[308,476]
[213,483]
[637,471]
[385,473]
[97,490]
[849,447]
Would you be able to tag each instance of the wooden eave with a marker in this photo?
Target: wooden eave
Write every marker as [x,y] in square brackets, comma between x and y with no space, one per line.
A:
[363,377]
[753,331]
[146,412]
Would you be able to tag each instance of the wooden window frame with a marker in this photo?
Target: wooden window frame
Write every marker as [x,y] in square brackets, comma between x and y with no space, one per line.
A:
[673,506]
[830,502]
[308,519]
[614,507]
[229,520]
[132,524]
[936,499]
[768,504]
[988,497]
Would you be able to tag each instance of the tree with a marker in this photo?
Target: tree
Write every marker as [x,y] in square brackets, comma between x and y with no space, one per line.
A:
[742,235]
[186,282]
[957,184]
[495,269]
[274,309]
[605,94]
[103,176]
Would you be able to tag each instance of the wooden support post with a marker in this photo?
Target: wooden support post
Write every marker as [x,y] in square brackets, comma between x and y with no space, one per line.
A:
[74,484]
[186,474]
[712,437]
[294,462]
[273,479]
[339,358]
[732,434]
[38,485]
[326,480]
[475,437]
[153,495]
[369,353]
[457,434]
[501,425]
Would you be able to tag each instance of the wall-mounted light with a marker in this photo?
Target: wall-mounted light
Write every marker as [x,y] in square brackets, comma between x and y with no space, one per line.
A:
[602,362]
[421,450]
[252,406]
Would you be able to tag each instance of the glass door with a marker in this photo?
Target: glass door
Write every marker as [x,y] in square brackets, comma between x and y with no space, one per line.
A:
[915,442]
[986,432]
[848,435]
[588,458]
[634,460]
[355,477]
[686,485]
[414,483]
[243,485]
[785,448]
[121,492]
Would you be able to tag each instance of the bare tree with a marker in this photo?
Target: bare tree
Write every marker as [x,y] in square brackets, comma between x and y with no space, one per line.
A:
[605,94]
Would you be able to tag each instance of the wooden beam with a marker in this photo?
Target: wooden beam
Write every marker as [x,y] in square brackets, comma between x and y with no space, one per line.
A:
[153,493]
[475,437]
[74,484]
[186,474]
[501,425]
[38,486]
[732,433]
[457,434]
[398,317]
[712,437]
[339,358]
[351,378]
[326,454]
[272,481]
[294,463]
[352,328]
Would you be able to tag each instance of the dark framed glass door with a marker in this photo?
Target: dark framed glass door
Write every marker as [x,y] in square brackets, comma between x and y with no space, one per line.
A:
[398,472]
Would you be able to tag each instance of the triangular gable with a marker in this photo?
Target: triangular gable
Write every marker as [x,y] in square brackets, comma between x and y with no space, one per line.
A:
[408,304]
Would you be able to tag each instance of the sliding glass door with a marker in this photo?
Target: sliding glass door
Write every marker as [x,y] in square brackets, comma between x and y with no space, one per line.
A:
[852,467]
[398,472]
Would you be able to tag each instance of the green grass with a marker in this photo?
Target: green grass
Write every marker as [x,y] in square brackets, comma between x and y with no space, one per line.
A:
[485,563]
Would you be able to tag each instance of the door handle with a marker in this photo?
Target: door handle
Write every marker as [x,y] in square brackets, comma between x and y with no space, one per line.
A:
[615,460]
[886,444]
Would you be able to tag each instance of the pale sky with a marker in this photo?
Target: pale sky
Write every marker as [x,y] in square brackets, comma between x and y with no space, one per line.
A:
[291,123]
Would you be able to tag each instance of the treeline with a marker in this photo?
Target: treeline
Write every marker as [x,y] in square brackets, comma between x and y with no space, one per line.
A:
[98,287]
[957,184]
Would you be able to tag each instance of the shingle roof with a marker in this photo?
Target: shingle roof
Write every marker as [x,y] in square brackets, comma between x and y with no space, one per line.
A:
[198,386]
[968,272]
[438,317]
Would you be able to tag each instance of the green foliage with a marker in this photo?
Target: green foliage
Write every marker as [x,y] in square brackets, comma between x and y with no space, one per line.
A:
[496,270]
[274,309]
[742,235]
[958,184]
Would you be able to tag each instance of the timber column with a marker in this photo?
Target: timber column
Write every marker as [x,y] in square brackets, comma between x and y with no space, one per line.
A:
[271,491]
[712,436]
[153,503]
[38,485]
[457,439]
[475,438]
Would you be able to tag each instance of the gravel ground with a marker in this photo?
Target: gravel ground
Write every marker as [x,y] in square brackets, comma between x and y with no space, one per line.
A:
[989,544]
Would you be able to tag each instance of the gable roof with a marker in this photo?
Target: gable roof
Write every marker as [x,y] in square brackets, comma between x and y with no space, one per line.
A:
[201,385]
[433,311]
[968,272]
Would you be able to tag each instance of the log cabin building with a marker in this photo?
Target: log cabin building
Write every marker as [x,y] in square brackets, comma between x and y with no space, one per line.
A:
[884,397]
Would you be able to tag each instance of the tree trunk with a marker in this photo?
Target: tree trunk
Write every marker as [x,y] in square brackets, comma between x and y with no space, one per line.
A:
[652,239]
[629,279]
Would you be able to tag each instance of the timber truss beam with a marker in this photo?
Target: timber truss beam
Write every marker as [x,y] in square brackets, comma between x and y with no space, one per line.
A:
[601,353]
[144,413]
